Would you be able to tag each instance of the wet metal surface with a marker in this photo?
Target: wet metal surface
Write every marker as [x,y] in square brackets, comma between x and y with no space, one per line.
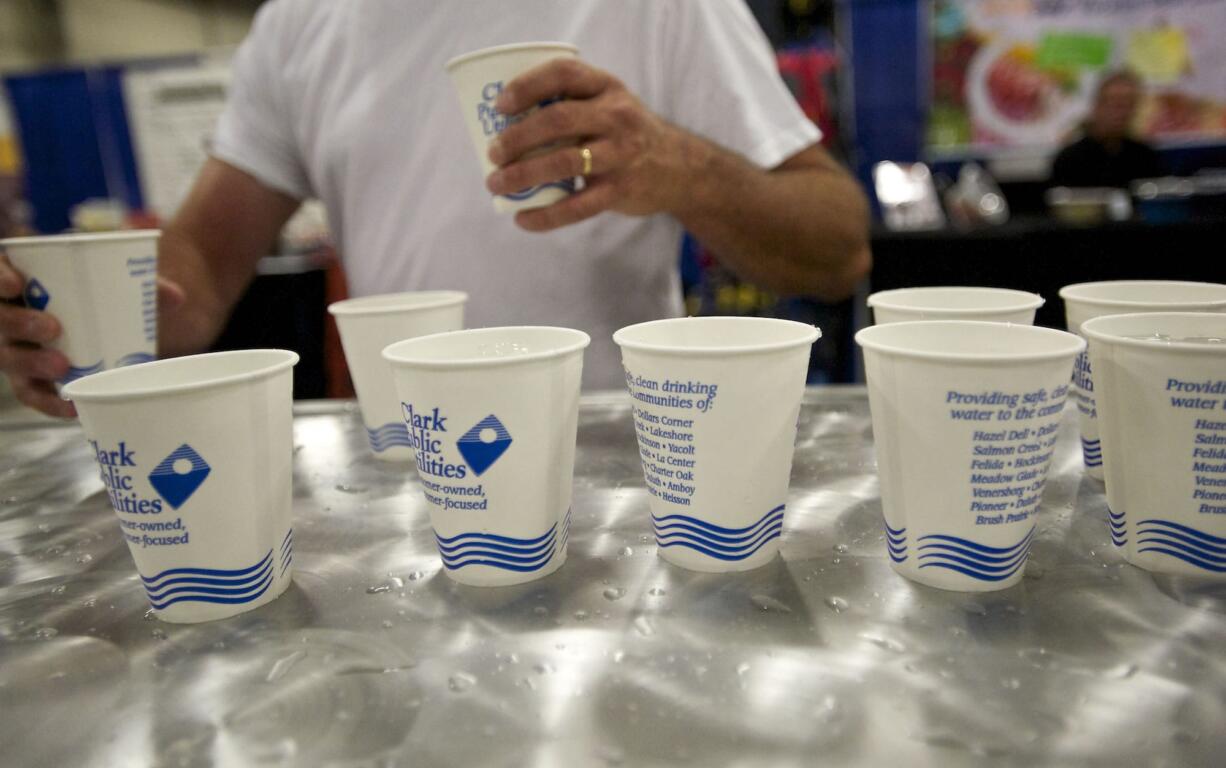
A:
[373,657]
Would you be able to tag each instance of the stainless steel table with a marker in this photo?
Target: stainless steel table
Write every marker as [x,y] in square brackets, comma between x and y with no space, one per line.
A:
[373,657]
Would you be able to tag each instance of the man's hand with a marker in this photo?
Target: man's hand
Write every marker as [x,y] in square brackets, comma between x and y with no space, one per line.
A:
[31,369]
[639,161]
[800,228]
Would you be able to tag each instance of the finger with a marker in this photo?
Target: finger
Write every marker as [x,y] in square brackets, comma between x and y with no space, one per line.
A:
[596,198]
[33,362]
[560,122]
[11,283]
[561,163]
[560,78]
[30,325]
[171,295]
[41,396]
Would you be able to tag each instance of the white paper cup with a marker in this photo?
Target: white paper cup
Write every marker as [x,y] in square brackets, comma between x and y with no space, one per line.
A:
[195,454]
[478,78]
[1084,301]
[965,420]
[996,305]
[1161,398]
[716,401]
[367,325]
[493,415]
[103,290]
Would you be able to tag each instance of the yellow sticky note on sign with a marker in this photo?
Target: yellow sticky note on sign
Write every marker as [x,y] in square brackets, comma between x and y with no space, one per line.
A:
[1159,55]
[10,160]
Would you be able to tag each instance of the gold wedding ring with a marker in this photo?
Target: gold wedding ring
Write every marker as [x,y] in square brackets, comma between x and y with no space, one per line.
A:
[586,154]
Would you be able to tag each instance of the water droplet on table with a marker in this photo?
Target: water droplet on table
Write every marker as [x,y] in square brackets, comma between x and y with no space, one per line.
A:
[85,558]
[378,589]
[581,615]
[840,548]
[1123,671]
[614,593]
[46,633]
[347,488]
[742,668]
[625,552]
[59,589]
[543,668]
[885,643]
[149,615]
[461,682]
[656,592]
[768,604]
[643,626]
[282,666]
[837,604]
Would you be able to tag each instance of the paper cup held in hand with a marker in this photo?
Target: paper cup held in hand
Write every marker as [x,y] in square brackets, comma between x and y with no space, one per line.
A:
[492,416]
[195,455]
[479,78]
[996,305]
[716,401]
[1160,391]
[965,421]
[369,324]
[103,290]
[1084,301]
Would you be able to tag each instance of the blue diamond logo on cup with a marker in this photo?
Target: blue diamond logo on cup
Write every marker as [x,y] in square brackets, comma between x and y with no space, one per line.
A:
[484,444]
[36,295]
[179,475]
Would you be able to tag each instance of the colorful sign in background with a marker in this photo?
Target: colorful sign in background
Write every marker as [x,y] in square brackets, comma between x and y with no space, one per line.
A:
[1022,73]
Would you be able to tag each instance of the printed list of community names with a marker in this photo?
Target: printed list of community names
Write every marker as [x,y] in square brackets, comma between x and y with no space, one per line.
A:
[1013,439]
[1208,400]
[664,414]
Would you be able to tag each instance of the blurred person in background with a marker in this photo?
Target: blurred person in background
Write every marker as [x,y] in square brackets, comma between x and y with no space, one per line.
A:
[1106,155]
[681,105]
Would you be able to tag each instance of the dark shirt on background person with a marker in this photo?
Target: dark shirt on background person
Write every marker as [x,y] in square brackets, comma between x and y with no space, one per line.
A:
[1106,155]
[1090,163]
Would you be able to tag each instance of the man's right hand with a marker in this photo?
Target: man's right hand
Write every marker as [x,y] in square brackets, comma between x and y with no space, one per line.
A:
[31,369]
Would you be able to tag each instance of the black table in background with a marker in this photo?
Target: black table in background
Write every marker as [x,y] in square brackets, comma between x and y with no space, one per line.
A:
[284,308]
[1042,255]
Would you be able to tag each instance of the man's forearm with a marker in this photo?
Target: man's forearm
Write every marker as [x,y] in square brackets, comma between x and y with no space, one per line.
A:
[800,229]
[210,250]
[194,325]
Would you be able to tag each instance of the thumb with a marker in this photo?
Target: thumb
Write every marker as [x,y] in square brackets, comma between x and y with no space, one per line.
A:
[171,295]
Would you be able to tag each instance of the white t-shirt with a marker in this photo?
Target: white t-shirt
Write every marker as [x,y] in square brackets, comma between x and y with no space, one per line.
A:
[347,100]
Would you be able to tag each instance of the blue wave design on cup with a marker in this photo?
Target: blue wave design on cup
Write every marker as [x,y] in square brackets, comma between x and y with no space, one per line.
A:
[136,358]
[504,552]
[209,585]
[80,372]
[392,435]
[566,185]
[1092,451]
[970,558]
[896,543]
[287,551]
[1183,542]
[1117,524]
[728,544]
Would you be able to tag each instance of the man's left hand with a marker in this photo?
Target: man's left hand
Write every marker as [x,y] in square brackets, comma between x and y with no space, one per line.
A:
[639,161]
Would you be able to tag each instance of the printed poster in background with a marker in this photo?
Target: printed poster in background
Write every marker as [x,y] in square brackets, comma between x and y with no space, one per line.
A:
[1017,73]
